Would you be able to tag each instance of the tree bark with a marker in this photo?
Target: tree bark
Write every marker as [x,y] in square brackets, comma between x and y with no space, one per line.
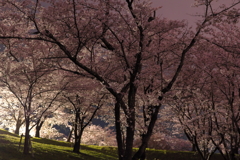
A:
[27,136]
[77,144]
[17,130]
[129,143]
[118,131]
[70,135]
[193,148]
[18,125]
[38,128]
[146,137]
[77,132]
[232,154]
[235,150]
[130,120]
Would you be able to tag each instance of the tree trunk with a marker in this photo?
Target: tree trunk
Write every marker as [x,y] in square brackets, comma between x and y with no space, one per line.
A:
[194,147]
[232,154]
[77,144]
[27,136]
[76,147]
[17,130]
[77,132]
[129,143]
[130,121]
[118,131]
[70,136]
[235,150]
[140,154]
[18,125]
[38,128]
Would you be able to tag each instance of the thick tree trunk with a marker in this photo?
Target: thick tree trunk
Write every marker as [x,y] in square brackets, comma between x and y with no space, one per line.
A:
[27,136]
[130,121]
[194,148]
[235,150]
[129,143]
[232,154]
[77,144]
[77,132]
[140,154]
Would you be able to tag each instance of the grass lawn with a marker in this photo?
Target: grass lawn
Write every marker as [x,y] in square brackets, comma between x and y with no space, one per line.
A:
[45,149]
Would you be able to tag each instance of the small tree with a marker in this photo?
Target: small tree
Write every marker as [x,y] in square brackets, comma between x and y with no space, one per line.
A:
[27,78]
[11,112]
[85,103]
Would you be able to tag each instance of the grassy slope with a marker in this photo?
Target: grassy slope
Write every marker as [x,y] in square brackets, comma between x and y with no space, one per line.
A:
[55,150]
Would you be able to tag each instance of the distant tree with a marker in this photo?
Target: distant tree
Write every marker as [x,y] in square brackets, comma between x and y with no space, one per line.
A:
[11,112]
[97,135]
[166,142]
[225,37]
[207,103]
[30,81]
[85,103]
[196,119]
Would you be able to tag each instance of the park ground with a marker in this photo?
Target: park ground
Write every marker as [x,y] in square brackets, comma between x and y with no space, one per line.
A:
[58,150]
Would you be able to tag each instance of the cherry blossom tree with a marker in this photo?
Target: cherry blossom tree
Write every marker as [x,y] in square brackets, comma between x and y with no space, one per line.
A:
[120,44]
[195,117]
[96,135]
[11,115]
[27,78]
[207,104]
[86,103]
[43,114]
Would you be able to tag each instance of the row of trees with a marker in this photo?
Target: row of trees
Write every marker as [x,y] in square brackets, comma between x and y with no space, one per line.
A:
[100,56]
[207,104]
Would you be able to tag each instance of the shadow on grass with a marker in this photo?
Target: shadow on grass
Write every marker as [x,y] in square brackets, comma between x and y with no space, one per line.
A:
[86,155]
[110,152]
[85,149]
[8,133]
[51,142]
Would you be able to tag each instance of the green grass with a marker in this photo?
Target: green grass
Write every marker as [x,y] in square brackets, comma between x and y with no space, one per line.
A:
[57,150]
[48,149]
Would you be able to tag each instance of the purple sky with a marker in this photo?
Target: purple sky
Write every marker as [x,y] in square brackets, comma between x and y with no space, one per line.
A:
[181,9]
[175,9]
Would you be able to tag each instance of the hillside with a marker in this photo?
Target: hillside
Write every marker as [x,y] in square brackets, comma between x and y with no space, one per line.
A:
[56,150]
